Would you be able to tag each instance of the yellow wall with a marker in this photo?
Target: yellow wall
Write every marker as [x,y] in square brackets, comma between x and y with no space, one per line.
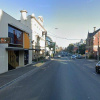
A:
[26,41]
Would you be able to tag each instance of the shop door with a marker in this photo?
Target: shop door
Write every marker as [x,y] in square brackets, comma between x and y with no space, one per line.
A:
[26,57]
[13,59]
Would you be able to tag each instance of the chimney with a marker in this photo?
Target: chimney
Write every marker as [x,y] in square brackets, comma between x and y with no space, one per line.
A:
[94,29]
[23,15]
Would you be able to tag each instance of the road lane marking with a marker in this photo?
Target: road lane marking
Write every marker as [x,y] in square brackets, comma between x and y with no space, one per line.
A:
[94,73]
[63,63]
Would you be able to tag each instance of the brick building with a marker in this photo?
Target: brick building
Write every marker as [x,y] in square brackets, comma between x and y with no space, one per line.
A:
[92,43]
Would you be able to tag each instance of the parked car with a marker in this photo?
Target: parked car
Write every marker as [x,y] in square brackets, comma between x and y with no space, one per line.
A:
[78,56]
[62,55]
[97,67]
[69,54]
[59,56]
[73,57]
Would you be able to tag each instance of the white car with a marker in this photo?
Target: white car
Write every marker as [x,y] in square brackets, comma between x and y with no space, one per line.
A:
[73,57]
[59,56]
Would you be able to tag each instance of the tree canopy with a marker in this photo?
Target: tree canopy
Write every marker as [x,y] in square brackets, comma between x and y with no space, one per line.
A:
[70,48]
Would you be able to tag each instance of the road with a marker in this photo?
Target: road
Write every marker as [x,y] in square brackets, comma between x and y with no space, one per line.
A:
[62,79]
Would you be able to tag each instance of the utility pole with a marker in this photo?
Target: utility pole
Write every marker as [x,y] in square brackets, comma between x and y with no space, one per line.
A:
[78,48]
[98,44]
[98,48]
[45,42]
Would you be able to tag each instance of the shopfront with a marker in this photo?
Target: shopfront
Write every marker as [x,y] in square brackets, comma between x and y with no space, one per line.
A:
[18,48]
[15,38]
[13,59]
[16,41]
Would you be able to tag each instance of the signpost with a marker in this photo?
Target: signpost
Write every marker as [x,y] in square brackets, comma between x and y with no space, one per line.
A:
[86,51]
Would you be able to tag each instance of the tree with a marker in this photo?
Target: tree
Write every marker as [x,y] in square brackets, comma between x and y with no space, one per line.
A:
[65,49]
[82,49]
[70,48]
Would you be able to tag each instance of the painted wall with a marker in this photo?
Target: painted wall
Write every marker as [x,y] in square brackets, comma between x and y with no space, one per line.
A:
[26,41]
[3,58]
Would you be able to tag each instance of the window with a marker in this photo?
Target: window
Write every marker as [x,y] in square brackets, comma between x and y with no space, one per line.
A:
[15,35]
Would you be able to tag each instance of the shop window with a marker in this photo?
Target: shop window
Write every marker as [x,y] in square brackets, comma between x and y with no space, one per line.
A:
[16,36]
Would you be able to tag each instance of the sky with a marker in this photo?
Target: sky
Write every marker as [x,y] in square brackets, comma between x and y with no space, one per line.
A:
[66,21]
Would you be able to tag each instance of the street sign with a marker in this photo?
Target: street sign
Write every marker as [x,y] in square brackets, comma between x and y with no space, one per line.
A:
[86,51]
[4,40]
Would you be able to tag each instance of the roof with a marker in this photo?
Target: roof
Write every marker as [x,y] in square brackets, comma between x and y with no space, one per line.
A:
[92,34]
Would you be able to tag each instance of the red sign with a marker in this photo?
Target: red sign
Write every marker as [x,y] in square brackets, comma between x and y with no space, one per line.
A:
[4,40]
[86,51]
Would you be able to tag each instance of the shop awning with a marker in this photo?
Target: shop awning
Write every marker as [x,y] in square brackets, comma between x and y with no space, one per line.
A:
[14,48]
[35,49]
[19,49]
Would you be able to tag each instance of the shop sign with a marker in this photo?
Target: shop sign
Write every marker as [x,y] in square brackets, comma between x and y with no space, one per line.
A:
[4,40]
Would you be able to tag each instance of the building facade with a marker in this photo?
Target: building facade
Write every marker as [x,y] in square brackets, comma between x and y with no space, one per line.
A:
[38,33]
[16,52]
[92,44]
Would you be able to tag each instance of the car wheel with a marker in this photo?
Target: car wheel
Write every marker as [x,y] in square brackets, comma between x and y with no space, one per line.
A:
[97,70]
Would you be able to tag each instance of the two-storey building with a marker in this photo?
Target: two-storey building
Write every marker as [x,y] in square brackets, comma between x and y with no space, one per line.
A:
[92,43]
[15,43]
[38,33]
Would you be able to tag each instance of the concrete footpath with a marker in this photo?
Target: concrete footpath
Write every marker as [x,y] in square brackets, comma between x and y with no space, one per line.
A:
[11,76]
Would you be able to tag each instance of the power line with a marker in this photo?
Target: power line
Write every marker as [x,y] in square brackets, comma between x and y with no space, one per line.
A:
[63,37]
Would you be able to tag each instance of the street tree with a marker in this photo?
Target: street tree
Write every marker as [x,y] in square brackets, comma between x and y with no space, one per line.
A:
[70,48]
[82,49]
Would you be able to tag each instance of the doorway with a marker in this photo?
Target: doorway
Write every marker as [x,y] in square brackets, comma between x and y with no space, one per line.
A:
[13,59]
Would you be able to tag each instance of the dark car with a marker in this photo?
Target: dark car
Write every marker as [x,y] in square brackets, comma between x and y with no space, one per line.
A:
[97,67]
[62,55]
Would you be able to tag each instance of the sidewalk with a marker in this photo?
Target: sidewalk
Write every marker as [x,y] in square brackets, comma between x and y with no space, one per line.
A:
[92,60]
[12,75]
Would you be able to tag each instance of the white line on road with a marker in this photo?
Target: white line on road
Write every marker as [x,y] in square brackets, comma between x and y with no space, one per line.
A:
[94,73]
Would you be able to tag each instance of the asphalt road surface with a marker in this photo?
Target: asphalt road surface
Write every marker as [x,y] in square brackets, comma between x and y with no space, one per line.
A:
[62,79]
